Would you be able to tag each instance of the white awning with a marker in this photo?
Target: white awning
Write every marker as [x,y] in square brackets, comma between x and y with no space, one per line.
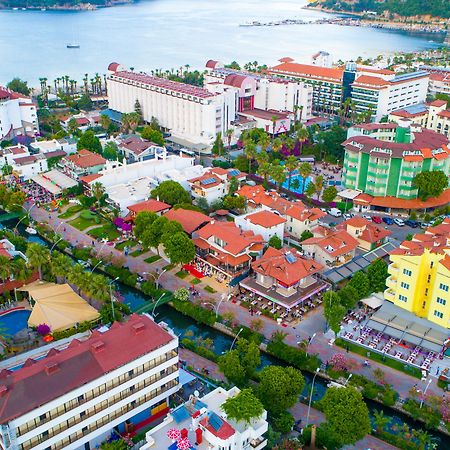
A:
[374,301]
[54,181]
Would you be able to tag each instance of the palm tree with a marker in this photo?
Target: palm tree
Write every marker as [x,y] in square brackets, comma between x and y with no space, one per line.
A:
[291,164]
[77,277]
[304,169]
[277,145]
[264,142]
[319,185]
[264,170]
[250,153]
[229,135]
[274,119]
[262,157]
[20,270]
[380,420]
[125,122]
[5,268]
[37,256]
[423,437]
[97,191]
[61,265]
[278,174]
[133,120]
[302,137]
[98,288]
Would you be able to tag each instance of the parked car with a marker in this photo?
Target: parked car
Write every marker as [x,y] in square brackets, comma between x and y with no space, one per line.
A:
[366,216]
[335,212]
[399,222]
[348,215]
[377,219]
[426,225]
[388,220]
[412,223]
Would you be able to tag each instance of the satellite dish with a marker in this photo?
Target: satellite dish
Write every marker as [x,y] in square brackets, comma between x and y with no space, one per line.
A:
[196,394]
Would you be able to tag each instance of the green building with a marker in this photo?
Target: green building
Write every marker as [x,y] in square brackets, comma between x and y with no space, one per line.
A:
[382,159]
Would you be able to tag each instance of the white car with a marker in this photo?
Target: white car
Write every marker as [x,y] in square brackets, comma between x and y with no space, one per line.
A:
[366,216]
[399,222]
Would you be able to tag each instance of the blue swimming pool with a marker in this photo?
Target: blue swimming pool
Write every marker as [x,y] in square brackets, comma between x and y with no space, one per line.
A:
[300,182]
[11,323]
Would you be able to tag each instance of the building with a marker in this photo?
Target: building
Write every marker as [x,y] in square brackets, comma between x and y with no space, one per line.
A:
[82,163]
[67,145]
[332,248]
[207,426]
[214,184]
[263,222]
[419,275]
[190,220]
[258,198]
[73,398]
[190,113]
[285,277]
[368,234]
[8,154]
[225,249]
[136,149]
[9,283]
[439,80]
[382,159]
[299,219]
[18,115]
[371,90]
[150,205]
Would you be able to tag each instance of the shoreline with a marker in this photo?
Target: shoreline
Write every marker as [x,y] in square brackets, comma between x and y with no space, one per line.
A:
[79,7]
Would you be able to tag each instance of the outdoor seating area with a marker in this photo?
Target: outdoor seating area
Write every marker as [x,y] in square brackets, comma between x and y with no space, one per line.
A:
[207,270]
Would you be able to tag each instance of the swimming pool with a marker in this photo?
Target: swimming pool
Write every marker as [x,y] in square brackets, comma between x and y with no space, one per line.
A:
[14,321]
[300,182]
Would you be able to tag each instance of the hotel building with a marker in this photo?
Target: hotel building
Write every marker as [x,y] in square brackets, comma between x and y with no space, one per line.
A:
[74,398]
[383,159]
[419,275]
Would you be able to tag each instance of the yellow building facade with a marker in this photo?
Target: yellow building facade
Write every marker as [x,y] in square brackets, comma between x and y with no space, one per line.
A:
[419,275]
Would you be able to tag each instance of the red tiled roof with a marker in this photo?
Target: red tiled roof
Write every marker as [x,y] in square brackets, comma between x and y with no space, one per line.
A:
[438,103]
[113,66]
[357,222]
[373,82]
[80,363]
[258,195]
[445,113]
[85,158]
[188,219]
[211,64]
[82,121]
[265,219]
[285,265]
[235,80]
[224,432]
[89,178]
[149,205]
[371,232]
[299,212]
[136,145]
[416,203]
[335,243]
[308,71]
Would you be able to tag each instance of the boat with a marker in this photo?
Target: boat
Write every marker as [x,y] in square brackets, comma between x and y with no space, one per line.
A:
[30,230]
[15,9]
[43,9]
[73,45]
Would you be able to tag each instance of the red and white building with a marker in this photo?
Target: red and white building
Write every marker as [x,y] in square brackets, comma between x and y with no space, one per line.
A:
[72,399]
[18,115]
[285,277]
[150,205]
[190,220]
[136,149]
[82,163]
[265,223]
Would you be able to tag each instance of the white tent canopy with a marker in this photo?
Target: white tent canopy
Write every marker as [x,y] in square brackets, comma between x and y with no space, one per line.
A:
[54,181]
[58,306]
[374,301]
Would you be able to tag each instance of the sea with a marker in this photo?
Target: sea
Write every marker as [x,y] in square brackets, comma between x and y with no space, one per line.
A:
[168,34]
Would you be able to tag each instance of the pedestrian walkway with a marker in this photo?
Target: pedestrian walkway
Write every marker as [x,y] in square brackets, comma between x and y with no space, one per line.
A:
[312,325]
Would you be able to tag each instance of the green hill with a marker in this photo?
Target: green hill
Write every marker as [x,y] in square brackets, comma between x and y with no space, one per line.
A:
[436,8]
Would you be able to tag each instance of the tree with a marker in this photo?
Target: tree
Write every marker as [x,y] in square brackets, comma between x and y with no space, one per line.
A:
[89,141]
[233,186]
[19,86]
[84,102]
[333,311]
[264,170]
[171,192]
[319,185]
[230,365]
[242,163]
[234,202]
[151,235]
[289,444]
[291,164]
[430,184]
[347,416]
[250,153]
[348,296]
[181,294]
[60,265]
[72,126]
[111,152]
[138,109]
[310,190]
[38,256]
[302,137]
[279,387]
[170,228]
[249,356]
[105,122]
[329,194]
[278,174]
[153,135]
[179,248]
[284,422]
[360,282]
[114,445]
[218,147]
[377,272]
[275,242]
[256,325]
[243,407]
[97,191]
[304,169]
[306,235]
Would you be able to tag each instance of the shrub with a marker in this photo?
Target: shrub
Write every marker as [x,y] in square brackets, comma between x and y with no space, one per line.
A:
[196,312]
[43,329]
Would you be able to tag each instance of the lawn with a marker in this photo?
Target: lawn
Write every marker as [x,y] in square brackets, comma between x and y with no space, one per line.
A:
[107,231]
[137,253]
[130,243]
[81,223]
[210,289]
[152,259]
[168,267]
[182,274]
[195,281]
[71,211]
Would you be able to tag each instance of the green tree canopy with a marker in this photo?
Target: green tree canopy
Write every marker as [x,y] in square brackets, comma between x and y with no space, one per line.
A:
[111,152]
[275,242]
[152,235]
[329,194]
[143,221]
[38,256]
[333,311]
[179,248]
[170,228]
[360,281]
[279,388]
[153,135]
[171,192]
[347,416]
[243,407]
[18,85]
[377,272]
[230,365]
[85,103]
[430,183]
[348,296]
[89,141]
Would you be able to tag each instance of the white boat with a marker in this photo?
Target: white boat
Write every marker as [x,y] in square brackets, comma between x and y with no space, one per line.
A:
[15,9]
[30,230]
[73,45]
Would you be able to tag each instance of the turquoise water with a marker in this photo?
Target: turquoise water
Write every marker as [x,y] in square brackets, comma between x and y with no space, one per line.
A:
[13,322]
[171,33]
[300,180]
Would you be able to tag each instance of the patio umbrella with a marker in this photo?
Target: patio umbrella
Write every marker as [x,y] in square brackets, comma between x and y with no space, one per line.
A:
[184,444]
[174,434]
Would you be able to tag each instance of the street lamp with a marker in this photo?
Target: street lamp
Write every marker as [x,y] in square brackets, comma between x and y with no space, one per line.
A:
[348,379]
[53,246]
[310,398]
[309,342]
[156,304]
[100,261]
[424,392]
[112,298]
[156,278]
[234,340]
[57,227]
[26,215]
[216,307]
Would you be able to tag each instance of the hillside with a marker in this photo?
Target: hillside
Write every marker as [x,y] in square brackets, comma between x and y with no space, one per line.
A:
[58,4]
[407,8]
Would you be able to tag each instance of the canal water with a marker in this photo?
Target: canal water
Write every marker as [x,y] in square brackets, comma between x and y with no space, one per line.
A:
[185,326]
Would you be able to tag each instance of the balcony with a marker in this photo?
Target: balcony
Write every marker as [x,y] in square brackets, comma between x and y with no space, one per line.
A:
[389,294]
[259,443]
[391,282]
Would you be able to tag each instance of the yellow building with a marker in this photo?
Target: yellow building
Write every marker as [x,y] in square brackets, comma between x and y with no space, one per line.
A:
[419,275]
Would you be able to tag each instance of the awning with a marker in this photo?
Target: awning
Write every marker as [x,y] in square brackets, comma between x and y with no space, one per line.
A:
[187,144]
[374,301]
[54,181]
[185,377]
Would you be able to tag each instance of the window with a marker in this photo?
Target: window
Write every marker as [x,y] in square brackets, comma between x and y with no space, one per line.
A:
[402,298]
[443,286]
[404,285]
[441,301]
[407,272]
[438,314]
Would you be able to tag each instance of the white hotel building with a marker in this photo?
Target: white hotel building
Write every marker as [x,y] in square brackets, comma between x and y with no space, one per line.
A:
[73,398]
[17,115]
[189,112]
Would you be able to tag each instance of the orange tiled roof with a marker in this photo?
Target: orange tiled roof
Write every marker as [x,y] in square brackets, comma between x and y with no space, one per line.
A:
[188,219]
[370,231]
[357,222]
[308,71]
[265,219]
[85,158]
[90,178]
[299,211]
[149,205]
[374,82]
[335,243]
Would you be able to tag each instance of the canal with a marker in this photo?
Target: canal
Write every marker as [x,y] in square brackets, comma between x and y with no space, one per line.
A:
[185,326]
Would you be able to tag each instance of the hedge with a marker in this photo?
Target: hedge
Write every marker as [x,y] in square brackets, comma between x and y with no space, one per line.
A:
[198,313]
